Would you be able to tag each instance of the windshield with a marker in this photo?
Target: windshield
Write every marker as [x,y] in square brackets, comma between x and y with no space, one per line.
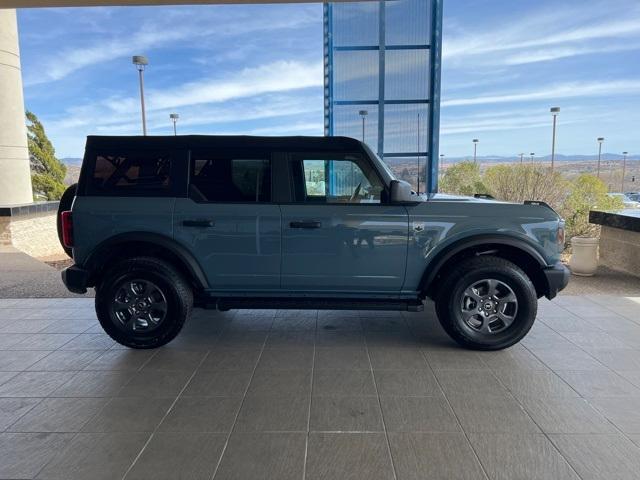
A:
[382,166]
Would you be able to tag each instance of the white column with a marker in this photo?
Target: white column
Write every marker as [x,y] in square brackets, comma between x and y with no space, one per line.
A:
[15,176]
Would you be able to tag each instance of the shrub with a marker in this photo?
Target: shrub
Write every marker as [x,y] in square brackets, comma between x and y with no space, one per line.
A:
[463,178]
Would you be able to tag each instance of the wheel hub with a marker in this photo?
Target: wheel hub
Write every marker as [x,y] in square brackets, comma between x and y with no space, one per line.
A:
[488,306]
[139,305]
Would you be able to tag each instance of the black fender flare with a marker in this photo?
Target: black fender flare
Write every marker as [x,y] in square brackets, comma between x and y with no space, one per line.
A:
[436,263]
[96,258]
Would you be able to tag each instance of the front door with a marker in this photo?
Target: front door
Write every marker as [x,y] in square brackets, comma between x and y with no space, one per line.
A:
[229,222]
[337,235]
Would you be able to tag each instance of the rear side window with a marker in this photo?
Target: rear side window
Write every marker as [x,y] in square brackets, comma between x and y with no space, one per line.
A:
[136,173]
[230,179]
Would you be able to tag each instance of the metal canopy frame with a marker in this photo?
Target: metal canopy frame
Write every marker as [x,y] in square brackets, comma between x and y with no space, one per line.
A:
[433,49]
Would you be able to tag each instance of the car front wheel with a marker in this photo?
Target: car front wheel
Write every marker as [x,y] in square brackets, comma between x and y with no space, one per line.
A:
[143,302]
[487,303]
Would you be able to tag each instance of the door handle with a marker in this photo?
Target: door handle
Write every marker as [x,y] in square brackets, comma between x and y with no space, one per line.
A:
[308,224]
[198,223]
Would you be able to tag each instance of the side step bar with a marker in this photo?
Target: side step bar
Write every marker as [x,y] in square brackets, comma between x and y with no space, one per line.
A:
[309,304]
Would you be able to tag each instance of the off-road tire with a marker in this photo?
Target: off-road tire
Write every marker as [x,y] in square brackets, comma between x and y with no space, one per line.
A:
[174,287]
[452,291]
[65,204]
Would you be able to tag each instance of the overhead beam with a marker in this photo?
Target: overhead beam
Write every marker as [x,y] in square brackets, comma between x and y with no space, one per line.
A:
[117,3]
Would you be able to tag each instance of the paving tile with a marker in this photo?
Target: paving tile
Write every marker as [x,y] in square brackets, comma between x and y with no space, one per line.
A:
[26,326]
[306,323]
[287,338]
[624,412]
[572,358]
[6,376]
[179,456]
[491,414]
[618,358]
[397,358]
[384,324]
[90,341]
[418,414]
[265,456]
[174,359]
[566,415]
[230,358]
[514,358]
[202,414]
[339,323]
[407,382]
[343,382]
[520,456]
[34,384]
[454,359]
[65,360]
[155,383]
[70,325]
[596,457]
[286,358]
[22,455]
[443,456]
[44,341]
[599,384]
[342,358]
[218,383]
[280,382]
[348,455]
[129,359]
[346,414]
[9,339]
[535,384]
[338,338]
[470,382]
[129,414]
[274,413]
[242,339]
[11,409]
[98,456]
[94,384]
[566,323]
[62,415]
[16,361]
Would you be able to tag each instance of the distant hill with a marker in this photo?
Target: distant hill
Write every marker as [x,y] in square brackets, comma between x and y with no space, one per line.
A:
[516,158]
[72,161]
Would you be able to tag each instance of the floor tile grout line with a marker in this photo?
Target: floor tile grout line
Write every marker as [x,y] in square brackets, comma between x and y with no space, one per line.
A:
[244,396]
[446,398]
[306,438]
[384,423]
[166,414]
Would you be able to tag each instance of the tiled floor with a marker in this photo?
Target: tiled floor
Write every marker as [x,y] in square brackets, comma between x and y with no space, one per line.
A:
[320,395]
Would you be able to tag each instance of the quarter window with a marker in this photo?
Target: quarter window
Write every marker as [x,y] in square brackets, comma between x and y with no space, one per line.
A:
[230,179]
[140,173]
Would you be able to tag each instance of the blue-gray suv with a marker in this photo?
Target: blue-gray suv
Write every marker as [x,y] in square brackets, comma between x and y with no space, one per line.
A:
[159,225]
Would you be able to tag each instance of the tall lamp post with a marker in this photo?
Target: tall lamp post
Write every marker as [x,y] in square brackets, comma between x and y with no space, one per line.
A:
[441,160]
[600,142]
[624,168]
[141,62]
[418,153]
[554,112]
[532,155]
[521,158]
[475,149]
[174,118]
[363,114]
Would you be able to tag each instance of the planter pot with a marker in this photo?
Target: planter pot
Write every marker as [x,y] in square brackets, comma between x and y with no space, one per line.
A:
[584,256]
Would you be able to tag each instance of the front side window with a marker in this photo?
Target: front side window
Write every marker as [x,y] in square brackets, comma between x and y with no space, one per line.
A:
[337,180]
[136,173]
[230,179]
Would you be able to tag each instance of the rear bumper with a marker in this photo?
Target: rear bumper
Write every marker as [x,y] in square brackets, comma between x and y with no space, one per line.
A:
[75,279]
[557,278]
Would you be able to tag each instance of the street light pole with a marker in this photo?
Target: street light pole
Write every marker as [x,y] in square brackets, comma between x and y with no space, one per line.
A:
[363,114]
[600,141]
[554,111]
[475,149]
[532,155]
[141,62]
[521,158]
[174,118]
[624,168]
[418,152]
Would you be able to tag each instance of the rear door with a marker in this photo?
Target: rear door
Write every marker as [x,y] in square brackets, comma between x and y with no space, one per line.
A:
[229,222]
[338,235]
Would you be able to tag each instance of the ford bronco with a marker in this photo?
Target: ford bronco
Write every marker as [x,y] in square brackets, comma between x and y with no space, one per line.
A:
[159,225]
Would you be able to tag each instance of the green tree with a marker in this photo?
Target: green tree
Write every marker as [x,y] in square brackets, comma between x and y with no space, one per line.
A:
[517,183]
[47,172]
[587,192]
[463,178]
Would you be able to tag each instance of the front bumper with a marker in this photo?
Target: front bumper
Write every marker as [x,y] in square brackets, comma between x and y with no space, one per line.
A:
[75,279]
[557,278]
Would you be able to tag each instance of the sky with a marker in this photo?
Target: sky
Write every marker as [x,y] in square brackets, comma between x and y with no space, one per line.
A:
[257,69]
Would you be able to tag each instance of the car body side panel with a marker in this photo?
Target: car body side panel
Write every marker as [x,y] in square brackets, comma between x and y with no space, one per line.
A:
[97,219]
[436,225]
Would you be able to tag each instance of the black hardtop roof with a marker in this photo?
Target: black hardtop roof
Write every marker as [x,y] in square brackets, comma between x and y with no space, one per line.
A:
[222,141]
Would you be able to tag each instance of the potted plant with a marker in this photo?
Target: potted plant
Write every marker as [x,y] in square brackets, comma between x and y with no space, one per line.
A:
[587,193]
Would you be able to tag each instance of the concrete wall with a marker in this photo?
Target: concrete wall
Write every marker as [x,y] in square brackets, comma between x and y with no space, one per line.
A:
[620,249]
[15,176]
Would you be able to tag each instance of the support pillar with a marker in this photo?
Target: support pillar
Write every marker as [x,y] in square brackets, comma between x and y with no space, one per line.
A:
[15,174]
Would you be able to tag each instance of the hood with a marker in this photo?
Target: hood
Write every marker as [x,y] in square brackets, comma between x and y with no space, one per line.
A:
[445,197]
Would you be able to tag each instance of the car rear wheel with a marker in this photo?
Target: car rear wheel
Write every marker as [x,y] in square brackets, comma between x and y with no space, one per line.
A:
[487,303]
[143,302]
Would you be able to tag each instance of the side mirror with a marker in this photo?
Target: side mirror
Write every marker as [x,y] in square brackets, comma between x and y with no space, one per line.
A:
[400,192]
